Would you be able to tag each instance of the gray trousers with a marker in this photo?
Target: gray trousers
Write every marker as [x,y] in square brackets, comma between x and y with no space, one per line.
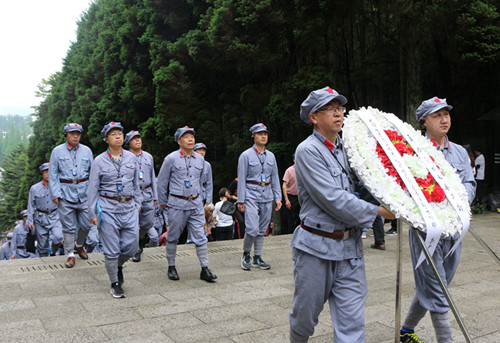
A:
[430,295]
[257,217]
[193,219]
[44,234]
[146,217]
[119,234]
[74,216]
[341,283]
[146,222]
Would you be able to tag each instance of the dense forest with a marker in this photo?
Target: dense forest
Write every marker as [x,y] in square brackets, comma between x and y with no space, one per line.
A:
[221,66]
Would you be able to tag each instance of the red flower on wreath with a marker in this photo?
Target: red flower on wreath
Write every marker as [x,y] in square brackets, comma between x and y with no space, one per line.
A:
[431,189]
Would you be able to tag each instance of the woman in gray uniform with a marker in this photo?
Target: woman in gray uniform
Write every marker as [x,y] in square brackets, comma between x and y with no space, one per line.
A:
[115,198]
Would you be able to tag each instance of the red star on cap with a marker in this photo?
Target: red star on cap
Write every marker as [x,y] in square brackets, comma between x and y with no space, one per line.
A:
[112,123]
[186,127]
[133,131]
[263,125]
[76,124]
[437,100]
[330,90]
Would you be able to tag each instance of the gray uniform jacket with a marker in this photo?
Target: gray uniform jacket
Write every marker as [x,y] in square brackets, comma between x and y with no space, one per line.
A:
[326,194]
[176,173]
[459,159]
[40,200]
[251,166]
[64,162]
[5,251]
[146,167]
[105,176]
[19,236]
[207,188]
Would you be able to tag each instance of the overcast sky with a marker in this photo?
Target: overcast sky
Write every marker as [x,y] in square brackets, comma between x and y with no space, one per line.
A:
[35,36]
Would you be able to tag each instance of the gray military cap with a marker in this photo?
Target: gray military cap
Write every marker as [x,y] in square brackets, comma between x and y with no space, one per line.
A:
[199,146]
[130,135]
[43,167]
[258,128]
[430,106]
[318,99]
[24,213]
[181,131]
[111,126]
[73,127]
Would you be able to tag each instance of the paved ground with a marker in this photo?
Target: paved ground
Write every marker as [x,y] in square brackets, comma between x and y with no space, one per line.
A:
[41,301]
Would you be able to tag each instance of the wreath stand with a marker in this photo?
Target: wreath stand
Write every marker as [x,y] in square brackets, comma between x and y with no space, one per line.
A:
[442,284]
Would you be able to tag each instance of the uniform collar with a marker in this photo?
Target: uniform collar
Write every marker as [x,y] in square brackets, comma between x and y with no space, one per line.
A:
[71,148]
[446,144]
[326,142]
[257,150]
[182,153]
[110,156]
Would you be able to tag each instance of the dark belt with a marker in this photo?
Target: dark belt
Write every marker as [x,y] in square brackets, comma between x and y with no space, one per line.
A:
[191,197]
[119,199]
[337,235]
[259,183]
[144,187]
[48,212]
[21,247]
[75,182]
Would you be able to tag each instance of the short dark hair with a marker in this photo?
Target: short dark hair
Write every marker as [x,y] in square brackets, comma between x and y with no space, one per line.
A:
[223,191]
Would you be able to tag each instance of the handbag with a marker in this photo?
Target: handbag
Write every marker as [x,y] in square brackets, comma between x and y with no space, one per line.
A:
[228,208]
[30,242]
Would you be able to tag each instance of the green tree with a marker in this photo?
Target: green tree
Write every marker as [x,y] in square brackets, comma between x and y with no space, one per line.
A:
[14,198]
[222,65]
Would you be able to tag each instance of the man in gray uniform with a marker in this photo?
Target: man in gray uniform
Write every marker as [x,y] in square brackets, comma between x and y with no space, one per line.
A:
[69,171]
[179,189]
[147,184]
[159,224]
[19,236]
[434,115]
[6,251]
[258,186]
[115,200]
[43,216]
[327,246]
[207,188]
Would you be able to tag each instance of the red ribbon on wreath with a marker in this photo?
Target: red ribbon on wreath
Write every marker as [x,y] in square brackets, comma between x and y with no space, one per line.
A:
[431,189]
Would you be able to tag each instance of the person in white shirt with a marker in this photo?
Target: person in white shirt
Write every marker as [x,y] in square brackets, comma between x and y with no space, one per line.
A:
[224,221]
[480,168]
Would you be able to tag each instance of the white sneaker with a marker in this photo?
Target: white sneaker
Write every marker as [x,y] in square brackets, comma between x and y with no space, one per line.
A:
[363,235]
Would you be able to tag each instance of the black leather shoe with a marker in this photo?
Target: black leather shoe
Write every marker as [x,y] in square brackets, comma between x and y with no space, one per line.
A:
[172,273]
[137,256]
[207,275]
[120,275]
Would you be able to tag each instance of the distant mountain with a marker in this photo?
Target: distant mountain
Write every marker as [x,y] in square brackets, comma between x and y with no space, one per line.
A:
[14,129]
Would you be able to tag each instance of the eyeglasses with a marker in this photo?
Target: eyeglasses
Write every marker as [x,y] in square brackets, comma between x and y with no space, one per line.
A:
[116,134]
[332,110]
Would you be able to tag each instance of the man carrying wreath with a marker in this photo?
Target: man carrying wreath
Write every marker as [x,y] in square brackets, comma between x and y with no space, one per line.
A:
[327,246]
[433,114]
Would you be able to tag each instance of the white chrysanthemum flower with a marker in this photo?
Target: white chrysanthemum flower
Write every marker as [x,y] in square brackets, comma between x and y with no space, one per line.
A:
[360,147]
